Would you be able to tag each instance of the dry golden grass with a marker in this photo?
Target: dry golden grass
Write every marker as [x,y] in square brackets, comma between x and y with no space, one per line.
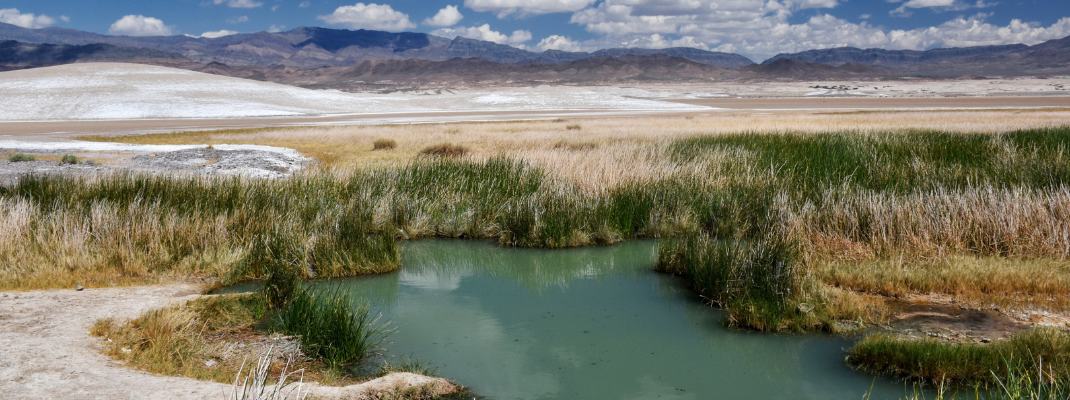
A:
[209,339]
[351,146]
[977,281]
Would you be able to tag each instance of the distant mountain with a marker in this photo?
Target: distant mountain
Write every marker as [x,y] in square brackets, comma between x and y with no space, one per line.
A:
[1051,57]
[319,47]
[350,59]
[799,70]
[475,71]
[15,55]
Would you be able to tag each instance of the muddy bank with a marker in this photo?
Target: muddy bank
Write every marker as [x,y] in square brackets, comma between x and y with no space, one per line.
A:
[49,354]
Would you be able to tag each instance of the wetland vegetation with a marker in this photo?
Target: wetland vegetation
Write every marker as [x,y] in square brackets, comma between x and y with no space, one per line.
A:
[784,231]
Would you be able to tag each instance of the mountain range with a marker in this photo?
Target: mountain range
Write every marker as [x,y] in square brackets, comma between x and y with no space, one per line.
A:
[345,59]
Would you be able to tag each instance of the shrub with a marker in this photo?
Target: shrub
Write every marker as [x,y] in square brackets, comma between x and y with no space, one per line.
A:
[573,127]
[69,159]
[445,150]
[21,157]
[384,144]
[330,328]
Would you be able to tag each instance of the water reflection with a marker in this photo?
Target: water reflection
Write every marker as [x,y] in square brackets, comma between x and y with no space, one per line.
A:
[588,324]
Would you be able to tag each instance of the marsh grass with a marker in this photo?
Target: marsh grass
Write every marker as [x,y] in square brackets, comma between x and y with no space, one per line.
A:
[765,222]
[69,159]
[1046,351]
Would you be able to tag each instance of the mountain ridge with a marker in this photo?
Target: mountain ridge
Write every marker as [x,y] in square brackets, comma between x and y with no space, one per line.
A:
[318,47]
[339,58]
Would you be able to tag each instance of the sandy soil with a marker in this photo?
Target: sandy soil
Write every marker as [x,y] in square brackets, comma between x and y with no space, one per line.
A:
[887,103]
[48,353]
[61,130]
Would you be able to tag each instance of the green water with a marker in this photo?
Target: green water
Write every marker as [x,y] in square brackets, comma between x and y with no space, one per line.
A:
[589,324]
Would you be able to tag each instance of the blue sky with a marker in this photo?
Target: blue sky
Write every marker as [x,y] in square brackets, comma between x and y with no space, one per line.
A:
[755,28]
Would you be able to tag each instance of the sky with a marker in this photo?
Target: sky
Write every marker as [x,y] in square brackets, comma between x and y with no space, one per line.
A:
[755,28]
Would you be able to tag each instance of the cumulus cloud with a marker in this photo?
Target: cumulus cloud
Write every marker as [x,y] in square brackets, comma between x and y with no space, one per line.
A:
[817,3]
[762,29]
[904,10]
[28,20]
[238,3]
[218,34]
[369,16]
[447,16]
[484,32]
[522,8]
[558,42]
[140,25]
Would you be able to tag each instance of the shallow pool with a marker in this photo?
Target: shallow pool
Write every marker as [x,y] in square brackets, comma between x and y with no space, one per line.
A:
[594,323]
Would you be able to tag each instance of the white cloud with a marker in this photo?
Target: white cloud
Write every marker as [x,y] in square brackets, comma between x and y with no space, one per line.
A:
[817,3]
[447,16]
[238,3]
[505,8]
[140,25]
[928,3]
[558,42]
[762,29]
[484,32]
[218,34]
[305,4]
[28,20]
[241,19]
[904,10]
[276,28]
[369,16]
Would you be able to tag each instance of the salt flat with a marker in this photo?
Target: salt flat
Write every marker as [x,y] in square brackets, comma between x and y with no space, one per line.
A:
[117,91]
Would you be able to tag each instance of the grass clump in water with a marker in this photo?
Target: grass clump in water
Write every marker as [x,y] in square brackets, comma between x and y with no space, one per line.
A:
[755,281]
[330,328]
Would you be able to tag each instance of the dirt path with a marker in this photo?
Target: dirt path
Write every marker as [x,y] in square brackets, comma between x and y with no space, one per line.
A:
[46,351]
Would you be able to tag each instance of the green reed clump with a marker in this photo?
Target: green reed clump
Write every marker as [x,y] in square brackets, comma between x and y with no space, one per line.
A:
[930,360]
[280,260]
[756,281]
[21,157]
[330,328]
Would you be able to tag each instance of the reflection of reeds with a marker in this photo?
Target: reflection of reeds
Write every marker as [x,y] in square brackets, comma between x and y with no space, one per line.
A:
[535,269]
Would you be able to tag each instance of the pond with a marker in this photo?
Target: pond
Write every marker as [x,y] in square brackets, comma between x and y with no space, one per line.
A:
[592,323]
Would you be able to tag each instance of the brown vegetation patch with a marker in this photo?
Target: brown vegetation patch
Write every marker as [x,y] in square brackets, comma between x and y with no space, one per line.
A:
[445,150]
[384,144]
